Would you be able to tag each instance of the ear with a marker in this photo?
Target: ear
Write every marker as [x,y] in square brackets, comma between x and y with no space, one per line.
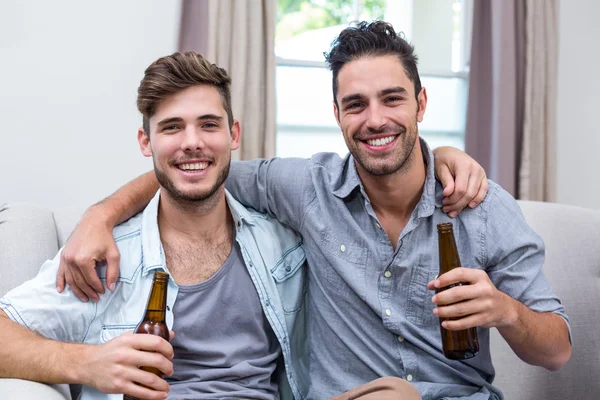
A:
[144,141]
[336,113]
[422,104]
[236,133]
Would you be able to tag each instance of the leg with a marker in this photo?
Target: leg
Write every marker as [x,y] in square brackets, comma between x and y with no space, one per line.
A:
[388,388]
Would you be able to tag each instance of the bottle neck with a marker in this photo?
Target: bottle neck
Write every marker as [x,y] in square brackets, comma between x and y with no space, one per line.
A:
[449,258]
[157,302]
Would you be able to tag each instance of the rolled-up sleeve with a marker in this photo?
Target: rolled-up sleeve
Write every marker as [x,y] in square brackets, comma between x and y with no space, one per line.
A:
[514,255]
[38,306]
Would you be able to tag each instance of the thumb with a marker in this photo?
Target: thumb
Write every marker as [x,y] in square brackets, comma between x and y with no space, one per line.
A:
[60,279]
[447,180]
[112,269]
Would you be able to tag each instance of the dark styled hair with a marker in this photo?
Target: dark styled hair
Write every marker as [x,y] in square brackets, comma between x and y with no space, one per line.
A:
[181,70]
[371,39]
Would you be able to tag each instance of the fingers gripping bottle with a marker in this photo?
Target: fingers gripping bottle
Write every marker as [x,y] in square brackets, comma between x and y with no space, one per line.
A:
[154,319]
[457,345]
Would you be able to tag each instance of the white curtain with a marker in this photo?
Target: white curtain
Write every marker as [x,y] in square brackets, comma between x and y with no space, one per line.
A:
[241,39]
[537,175]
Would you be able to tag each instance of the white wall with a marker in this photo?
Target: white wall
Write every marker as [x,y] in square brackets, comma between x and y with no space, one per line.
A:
[578,111]
[69,72]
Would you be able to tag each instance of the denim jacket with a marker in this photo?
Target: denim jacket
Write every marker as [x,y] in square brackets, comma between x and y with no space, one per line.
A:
[272,252]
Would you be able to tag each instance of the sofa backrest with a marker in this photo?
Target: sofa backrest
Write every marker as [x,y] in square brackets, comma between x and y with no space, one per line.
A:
[572,238]
[29,236]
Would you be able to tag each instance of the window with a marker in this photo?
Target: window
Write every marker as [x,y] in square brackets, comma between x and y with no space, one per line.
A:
[440,31]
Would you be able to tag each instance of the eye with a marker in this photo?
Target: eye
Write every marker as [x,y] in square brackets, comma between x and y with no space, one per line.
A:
[393,99]
[353,106]
[170,128]
[210,125]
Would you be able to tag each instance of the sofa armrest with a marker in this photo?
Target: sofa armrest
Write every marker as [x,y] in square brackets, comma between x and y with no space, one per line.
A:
[19,389]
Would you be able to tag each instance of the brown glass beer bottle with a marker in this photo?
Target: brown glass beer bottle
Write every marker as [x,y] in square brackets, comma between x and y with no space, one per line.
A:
[154,320]
[457,345]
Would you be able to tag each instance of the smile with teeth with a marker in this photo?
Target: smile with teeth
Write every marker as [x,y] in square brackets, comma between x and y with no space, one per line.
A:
[199,166]
[380,141]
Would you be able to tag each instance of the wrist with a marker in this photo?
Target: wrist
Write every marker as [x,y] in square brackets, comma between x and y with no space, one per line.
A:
[100,214]
[512,313]
[441,150]
[75,356]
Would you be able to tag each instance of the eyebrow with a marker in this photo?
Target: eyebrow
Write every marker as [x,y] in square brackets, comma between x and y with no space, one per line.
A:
[209,116]
[396,89]
[357,96]
[169,121]
[200,118]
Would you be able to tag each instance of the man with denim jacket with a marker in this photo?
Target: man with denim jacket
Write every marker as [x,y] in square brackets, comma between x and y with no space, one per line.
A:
[228,265]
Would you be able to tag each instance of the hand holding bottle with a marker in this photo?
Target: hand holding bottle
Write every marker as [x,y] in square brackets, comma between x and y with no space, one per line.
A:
[113,367]
[478,304]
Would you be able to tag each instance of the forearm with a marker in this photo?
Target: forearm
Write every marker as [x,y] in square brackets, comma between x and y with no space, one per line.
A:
[26,355]
[538,338]
[129,200]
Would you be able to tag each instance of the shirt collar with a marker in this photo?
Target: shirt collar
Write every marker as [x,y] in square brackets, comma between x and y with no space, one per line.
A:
[152,250]
[347,180]
[239,213]
[151,245]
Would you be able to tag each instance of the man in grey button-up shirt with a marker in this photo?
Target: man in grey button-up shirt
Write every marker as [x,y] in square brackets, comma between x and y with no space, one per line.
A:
[369,227]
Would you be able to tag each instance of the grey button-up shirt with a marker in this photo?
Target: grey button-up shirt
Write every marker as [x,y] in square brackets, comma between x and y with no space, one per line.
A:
[370,312]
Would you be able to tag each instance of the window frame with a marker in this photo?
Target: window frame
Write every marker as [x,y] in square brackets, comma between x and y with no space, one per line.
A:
[462,74]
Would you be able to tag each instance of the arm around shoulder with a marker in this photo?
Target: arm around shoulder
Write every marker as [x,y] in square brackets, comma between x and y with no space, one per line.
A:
[277,186]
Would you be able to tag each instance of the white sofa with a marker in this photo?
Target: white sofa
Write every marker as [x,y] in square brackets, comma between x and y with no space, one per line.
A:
[30,235]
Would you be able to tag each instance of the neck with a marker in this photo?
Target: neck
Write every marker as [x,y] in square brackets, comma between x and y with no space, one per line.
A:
[396,195]
[196,220]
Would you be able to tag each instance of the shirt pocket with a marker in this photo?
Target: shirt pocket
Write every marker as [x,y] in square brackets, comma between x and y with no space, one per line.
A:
[290,278]
[420,308]
[345,265]
[110,332]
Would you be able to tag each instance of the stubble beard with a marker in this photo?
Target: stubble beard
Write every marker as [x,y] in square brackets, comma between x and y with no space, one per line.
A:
[192,201]
[401,159]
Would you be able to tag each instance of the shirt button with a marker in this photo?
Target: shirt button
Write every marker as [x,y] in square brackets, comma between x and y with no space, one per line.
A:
[388,312]
[409,377]
[342,248]
[401,339]
[387,274]
[377,225]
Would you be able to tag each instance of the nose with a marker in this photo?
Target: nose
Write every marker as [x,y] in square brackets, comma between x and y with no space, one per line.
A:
[375,118]
[192,139]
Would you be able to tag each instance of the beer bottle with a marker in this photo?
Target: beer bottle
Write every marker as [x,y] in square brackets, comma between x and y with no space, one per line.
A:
[457,345]
[154,320]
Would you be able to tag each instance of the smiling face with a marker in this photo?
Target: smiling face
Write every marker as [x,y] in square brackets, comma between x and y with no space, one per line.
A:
[190,142]
[378,113]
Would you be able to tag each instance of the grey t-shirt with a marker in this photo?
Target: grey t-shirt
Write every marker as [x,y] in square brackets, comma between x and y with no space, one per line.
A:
[224,345]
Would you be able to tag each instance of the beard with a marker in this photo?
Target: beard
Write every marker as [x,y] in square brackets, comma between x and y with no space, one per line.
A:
[196,197]
[386,164]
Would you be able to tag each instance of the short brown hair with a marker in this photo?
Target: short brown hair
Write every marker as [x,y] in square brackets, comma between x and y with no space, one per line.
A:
[372,39]
[181,70]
